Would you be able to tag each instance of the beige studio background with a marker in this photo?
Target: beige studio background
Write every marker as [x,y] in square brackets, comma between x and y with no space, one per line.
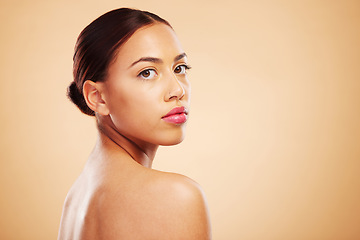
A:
[274,136]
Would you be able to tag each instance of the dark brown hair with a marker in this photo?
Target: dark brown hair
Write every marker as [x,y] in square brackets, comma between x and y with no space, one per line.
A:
[97,44]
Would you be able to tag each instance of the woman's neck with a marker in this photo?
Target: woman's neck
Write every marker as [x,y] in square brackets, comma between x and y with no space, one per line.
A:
[112,142]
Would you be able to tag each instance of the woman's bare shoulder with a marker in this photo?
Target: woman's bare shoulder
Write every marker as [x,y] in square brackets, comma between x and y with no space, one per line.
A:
[156,205]
[175,185]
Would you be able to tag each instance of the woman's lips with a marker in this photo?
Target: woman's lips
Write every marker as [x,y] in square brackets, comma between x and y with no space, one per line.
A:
[177,115]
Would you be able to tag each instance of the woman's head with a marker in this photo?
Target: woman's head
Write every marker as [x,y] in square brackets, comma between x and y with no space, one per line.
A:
[133,77]
[97,46]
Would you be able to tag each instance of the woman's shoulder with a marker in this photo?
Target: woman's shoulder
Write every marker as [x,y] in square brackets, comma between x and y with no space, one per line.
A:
[175,185]
[155,205]
[180,195]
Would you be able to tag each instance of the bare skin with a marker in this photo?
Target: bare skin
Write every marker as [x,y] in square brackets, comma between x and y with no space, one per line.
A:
[118,195]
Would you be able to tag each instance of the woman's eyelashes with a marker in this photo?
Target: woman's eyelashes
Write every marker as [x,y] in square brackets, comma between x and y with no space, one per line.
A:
[181,69]
[148,74]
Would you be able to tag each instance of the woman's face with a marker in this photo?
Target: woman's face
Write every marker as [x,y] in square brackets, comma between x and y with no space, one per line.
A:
[145,82]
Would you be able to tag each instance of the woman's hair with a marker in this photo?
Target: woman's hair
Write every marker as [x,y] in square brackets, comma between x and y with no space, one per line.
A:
[97,45]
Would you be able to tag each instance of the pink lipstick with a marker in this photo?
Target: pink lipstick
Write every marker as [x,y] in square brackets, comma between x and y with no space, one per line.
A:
[177,115]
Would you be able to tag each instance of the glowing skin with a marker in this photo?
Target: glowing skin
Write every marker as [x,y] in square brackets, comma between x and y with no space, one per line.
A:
[143,103]
[146,81]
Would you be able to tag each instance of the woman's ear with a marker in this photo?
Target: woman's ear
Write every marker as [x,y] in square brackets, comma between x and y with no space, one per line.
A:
[93,97]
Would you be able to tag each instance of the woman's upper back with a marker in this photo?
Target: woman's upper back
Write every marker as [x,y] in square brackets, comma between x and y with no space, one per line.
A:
[134,203]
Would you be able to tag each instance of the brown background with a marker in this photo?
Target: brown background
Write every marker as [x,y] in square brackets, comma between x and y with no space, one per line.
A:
[274,136]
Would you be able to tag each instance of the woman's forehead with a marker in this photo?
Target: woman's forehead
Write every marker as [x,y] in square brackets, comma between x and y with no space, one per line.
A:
[157,40]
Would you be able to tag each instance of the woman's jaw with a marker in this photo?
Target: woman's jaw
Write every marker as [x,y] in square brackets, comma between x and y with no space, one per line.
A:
[143,152]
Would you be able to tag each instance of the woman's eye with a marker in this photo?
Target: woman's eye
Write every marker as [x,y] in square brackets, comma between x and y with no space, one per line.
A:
[147,74]
[181,69]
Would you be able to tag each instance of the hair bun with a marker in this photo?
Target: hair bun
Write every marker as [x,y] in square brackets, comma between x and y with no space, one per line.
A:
[77,98]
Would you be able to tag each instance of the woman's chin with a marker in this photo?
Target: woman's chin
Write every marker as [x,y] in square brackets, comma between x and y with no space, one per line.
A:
[172,140]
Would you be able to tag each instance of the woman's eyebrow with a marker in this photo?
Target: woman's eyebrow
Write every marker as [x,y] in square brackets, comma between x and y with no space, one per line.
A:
[180,56]
[147,59]
[157,60]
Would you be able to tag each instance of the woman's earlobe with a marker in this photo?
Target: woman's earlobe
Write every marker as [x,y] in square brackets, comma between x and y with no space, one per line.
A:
[93,97]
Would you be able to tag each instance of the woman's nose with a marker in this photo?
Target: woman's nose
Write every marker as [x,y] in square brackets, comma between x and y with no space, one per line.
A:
[176,90]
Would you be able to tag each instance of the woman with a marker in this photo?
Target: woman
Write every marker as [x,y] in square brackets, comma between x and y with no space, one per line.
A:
[130,72]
